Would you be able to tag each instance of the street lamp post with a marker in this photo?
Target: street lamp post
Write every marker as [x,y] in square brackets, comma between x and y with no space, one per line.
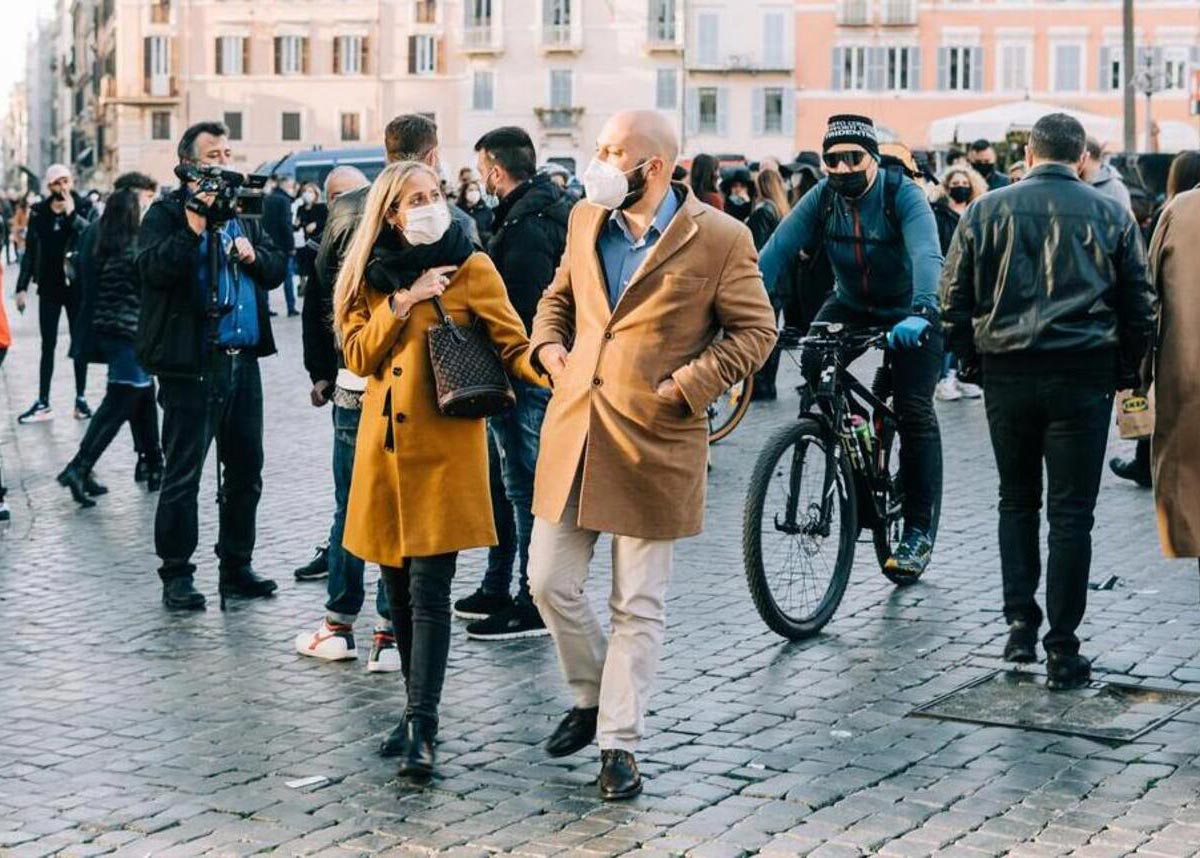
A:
[1127,61]
[1149,80]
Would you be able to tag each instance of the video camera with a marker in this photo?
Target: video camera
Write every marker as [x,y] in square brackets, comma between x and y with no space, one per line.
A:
[237,195]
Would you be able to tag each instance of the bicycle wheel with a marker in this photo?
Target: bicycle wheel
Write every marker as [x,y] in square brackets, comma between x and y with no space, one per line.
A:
[727,412]
[887,535]
[797,558]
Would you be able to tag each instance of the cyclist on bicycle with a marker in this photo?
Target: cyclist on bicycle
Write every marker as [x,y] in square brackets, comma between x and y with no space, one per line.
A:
[881,239]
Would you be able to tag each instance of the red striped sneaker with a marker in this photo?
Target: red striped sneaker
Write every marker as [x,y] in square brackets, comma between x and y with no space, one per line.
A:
[331,642]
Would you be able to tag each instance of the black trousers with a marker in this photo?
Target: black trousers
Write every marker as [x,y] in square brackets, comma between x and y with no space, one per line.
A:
[225,406]
[122,404]
[49,312]
[1059,418]
[914,375]
[419,595]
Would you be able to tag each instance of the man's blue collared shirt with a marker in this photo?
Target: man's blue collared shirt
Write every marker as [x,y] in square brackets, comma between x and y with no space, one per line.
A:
[622,254]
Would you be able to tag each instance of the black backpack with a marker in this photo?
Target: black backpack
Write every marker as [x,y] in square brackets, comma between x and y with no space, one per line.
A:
[812,276]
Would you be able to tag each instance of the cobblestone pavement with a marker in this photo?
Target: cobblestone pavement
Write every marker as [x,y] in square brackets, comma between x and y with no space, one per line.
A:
[128,731]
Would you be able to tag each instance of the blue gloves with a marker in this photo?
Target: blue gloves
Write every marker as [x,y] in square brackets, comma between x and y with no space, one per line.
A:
[908,334]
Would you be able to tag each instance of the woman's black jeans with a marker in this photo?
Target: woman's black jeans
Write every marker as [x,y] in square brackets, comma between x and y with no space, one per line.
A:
[419,595]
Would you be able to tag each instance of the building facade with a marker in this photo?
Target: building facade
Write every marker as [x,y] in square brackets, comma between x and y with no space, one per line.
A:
[737,77]
[910,63]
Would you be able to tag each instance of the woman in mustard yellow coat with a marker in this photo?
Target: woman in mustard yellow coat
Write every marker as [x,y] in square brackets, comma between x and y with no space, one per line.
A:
[419,493]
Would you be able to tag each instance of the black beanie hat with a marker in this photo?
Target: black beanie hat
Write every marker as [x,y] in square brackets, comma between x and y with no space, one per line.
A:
[849,128]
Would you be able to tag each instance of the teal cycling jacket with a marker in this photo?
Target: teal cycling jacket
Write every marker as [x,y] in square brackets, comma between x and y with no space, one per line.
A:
[884,269]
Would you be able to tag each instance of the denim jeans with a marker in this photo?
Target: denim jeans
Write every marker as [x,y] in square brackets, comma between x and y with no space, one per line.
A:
[517,436]
[1060,419]
[289,284]
[915,373]
[226,405]
[419,593]
[345,584]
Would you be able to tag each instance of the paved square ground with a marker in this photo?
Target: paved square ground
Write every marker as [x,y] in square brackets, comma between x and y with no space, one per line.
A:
[128,731]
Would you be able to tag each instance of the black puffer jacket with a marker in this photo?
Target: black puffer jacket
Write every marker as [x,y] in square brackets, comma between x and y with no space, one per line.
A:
[174,329]
[118,296]
[947,222]
[1048,264]
[321,355]
[531,234]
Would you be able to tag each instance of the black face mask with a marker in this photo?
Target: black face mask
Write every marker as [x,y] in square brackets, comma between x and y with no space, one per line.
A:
[849,185]
[637,189]
[960,194]
[985,168]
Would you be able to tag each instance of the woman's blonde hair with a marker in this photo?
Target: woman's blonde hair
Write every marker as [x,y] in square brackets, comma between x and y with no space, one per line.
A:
[384,192]
[979,185]
[770,187]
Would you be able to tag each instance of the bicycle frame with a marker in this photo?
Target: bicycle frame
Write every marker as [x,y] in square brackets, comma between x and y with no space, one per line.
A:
[838,396]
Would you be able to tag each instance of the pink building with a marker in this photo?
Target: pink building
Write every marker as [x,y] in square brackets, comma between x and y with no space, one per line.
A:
[915,66]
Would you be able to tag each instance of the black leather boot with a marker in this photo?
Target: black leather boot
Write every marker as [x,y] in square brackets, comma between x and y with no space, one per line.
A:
[396,742]
[619,776]
[244,583]
[74,477]
[574,733]
[179,594]
[1065,671]
[93,488]
[1021,647]
[419,757]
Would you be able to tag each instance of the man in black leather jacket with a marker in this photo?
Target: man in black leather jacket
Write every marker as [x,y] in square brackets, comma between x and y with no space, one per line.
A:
[1046,288]
[203,341]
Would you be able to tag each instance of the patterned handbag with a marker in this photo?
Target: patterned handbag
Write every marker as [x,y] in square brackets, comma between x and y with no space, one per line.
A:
[471,381]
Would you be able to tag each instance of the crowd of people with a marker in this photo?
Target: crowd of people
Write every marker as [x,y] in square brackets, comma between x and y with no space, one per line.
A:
[617,320]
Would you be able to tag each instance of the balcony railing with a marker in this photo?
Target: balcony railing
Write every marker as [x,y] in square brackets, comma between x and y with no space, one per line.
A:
[663,33]
[558,36]
[854,13]
[479,36]
[160,86]
[559,118]
[899,13]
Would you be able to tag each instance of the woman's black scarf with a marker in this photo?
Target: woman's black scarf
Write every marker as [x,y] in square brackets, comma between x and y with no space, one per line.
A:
[396,264]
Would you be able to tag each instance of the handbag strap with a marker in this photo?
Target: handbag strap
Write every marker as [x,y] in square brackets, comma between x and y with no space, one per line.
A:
[459,333]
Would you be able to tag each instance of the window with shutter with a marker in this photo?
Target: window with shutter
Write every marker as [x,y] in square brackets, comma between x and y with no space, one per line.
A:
[483,90]
[351,127]
[662,21]
[233,122]
[1068,67]
[290,123]
[291,55]
[561,88]
[707,35]
[836,80]
[962,69]
[666,89]
[706,110]
[773,110]
[854,68]
[774,31]
[875,68]
[422,55]
[1176,67]
[160,125]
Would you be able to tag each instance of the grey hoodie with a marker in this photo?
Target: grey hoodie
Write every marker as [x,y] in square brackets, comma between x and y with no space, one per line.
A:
[1109,182]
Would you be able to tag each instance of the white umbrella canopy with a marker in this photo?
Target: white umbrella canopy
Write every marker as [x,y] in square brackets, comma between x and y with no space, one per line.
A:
[1175,136]
[998,121]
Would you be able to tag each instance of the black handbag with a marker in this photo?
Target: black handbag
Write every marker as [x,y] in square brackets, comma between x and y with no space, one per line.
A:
[470,379]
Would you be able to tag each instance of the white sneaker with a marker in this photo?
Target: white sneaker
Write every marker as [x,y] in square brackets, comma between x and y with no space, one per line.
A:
[970,391]
[947,389]
[384,657]
[331,642]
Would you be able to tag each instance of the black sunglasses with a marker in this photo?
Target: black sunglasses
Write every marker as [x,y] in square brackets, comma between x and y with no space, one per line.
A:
[851,159]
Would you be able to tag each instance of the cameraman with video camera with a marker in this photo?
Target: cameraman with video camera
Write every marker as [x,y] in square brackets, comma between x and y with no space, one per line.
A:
[205,269]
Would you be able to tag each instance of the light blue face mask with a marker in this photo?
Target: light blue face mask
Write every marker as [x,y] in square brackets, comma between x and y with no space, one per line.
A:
[491,200]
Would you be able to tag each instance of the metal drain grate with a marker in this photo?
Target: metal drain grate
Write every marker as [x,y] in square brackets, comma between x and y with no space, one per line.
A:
[1109,711]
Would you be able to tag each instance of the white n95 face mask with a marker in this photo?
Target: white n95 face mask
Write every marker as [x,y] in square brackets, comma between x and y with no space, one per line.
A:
[426,224]
[605,185]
